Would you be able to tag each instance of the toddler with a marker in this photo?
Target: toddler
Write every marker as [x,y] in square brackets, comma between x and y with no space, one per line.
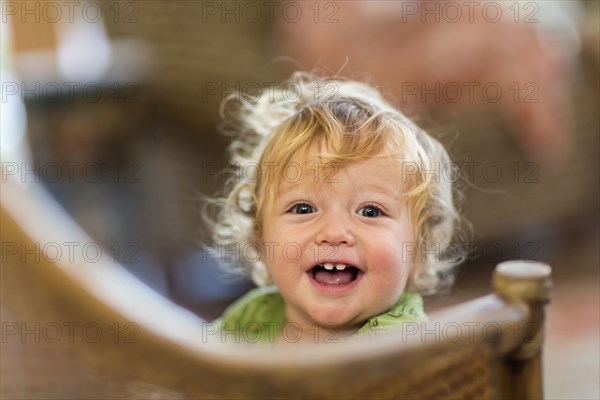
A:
[339,211]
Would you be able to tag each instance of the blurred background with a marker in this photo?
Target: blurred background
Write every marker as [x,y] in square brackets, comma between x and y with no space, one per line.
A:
[114,107]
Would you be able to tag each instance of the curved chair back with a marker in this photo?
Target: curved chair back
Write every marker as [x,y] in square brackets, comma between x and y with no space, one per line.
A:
[134,341]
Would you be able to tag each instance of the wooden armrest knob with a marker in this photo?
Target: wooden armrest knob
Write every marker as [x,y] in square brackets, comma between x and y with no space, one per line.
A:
[520,280]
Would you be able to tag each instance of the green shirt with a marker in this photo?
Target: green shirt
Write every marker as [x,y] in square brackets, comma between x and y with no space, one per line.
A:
[259,316]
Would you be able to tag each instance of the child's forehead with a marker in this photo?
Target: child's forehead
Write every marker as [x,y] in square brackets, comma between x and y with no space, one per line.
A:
[309,172]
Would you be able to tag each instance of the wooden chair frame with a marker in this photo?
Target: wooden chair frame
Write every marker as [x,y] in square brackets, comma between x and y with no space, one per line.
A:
[485,348]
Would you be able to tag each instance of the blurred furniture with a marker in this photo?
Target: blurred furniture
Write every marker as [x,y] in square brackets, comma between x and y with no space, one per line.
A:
[127,341]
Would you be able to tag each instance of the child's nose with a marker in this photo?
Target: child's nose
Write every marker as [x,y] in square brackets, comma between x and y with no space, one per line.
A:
[335,229]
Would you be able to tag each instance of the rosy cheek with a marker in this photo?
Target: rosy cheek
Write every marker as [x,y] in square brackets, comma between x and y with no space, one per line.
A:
[391,266]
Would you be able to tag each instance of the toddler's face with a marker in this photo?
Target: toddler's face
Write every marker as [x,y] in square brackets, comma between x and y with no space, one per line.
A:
[333,243]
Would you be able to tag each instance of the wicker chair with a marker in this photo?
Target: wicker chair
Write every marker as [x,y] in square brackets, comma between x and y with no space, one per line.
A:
[135,344]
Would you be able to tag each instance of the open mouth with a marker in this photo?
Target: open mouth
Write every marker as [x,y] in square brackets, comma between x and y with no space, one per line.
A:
[334,274]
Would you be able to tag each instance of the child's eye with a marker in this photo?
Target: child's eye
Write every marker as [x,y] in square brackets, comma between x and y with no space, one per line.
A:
[302,208]
[370,211]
